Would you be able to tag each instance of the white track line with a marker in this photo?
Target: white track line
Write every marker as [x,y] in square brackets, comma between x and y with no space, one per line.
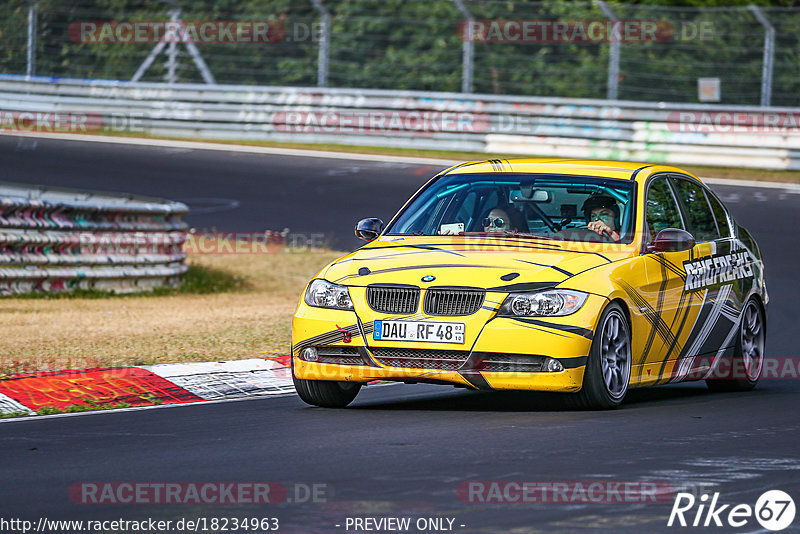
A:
[197,145]
[166,406]
[136,408]
[308,153]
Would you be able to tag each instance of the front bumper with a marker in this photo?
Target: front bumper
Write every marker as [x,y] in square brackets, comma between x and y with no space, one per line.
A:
[567,339]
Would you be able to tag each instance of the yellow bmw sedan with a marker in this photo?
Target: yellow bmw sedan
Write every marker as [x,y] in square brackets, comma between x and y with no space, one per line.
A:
[583,277]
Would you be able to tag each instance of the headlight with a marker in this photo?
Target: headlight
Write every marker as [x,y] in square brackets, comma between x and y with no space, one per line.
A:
[323,294]
[552,303]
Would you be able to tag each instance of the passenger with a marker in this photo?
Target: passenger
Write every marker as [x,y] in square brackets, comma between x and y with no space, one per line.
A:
[497,221]
[602,213]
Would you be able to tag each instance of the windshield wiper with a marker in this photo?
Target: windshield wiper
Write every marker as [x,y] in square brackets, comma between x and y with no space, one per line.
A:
[528,235]
[509,233]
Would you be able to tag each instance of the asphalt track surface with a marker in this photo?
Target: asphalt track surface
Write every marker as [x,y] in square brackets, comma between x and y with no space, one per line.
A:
[399,450]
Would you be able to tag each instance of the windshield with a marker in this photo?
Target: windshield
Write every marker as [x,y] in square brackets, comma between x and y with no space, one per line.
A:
[567,208]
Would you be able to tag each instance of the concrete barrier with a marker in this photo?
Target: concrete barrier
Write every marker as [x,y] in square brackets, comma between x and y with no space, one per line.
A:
[60,240]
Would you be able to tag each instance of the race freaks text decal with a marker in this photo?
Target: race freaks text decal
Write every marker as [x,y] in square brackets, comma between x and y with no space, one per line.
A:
[712,270]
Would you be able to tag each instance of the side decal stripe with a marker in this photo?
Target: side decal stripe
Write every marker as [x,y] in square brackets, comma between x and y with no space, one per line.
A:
[687,360]
[659,304]
[671,266]
[685,307]
[578,330]
[657,323]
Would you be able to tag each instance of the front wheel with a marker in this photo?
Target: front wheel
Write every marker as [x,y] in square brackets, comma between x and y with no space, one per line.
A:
[608,368]
[743,371]
[326,394]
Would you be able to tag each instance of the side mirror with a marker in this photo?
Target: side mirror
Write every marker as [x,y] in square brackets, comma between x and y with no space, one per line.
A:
[671,240]
[369,229]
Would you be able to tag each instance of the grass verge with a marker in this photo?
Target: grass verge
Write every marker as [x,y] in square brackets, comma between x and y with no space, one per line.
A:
[88,407]
[198,280]
[12,414]
[231,306]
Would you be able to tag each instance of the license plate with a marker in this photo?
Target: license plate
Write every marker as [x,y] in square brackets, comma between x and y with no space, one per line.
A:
[427,331]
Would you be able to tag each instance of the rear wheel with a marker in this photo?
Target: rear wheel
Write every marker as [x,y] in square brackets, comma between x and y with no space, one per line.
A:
[608,368]
[325,393]
[743,371]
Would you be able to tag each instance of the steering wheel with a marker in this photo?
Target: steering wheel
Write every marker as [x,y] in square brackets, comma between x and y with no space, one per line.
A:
[583,233]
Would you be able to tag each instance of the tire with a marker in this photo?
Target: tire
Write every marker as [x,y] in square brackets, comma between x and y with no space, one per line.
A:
[326,394]
[608,368]
[744,369]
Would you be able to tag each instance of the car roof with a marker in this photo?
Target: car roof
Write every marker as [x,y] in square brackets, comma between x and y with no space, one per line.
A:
[623,170]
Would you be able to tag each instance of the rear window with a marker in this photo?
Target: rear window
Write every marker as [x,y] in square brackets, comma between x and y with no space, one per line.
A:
[700,219]
[720,214]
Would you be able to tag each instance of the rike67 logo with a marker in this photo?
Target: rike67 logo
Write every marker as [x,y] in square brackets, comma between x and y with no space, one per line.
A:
[774,510]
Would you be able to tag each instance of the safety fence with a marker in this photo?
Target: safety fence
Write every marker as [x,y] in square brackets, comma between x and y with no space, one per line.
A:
[693,134]
[736,55]
[55,240]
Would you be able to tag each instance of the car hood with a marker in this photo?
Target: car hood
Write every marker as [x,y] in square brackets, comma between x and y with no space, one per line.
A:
[498,264]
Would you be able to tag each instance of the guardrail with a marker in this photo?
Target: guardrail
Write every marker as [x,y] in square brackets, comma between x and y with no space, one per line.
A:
[746,136]
[59,240]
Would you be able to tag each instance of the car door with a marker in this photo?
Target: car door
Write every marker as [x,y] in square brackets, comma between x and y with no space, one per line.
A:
[669,309]
[709,278]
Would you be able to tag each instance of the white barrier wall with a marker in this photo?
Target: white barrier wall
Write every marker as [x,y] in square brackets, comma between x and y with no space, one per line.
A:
[756,137]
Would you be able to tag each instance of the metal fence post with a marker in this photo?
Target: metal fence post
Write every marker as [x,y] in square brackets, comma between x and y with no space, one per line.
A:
[466,48]
[613,53]
[324,43]
[205,72]
[172,63]
[201,65]
[172,51]
[769,54]
[31,68]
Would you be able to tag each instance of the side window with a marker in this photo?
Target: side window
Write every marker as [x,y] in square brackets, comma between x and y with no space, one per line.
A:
[662,210]
[719,214]
[436,215]
[697,210]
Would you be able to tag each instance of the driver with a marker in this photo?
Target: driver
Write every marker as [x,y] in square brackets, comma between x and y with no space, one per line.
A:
[602,212]
[497,221]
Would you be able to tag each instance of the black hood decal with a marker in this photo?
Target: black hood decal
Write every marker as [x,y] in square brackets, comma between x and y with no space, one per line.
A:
[524,286]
